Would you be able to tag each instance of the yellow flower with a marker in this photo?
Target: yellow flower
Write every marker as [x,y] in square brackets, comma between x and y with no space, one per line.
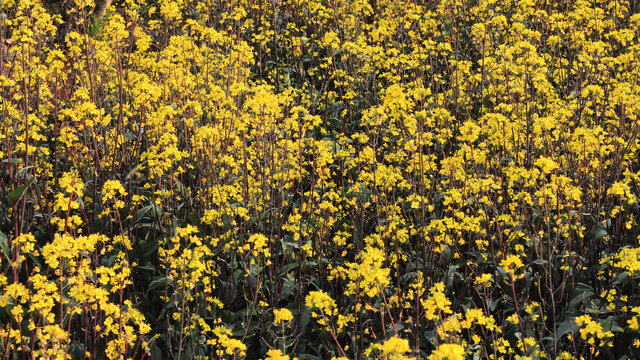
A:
[511,264]
[276,354]
[282,316]
[513,318]
[368,275]
[628,259]
[622,191]
[483,279]
[437,303]
[546,165]
[593,331]
[448,352]
[393,348]
[322,301]
[395,345]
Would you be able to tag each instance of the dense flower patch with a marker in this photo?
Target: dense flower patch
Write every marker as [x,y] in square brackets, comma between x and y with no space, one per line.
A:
[347,179]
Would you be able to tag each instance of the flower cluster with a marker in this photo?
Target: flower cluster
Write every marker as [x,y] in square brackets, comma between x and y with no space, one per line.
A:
[320,179]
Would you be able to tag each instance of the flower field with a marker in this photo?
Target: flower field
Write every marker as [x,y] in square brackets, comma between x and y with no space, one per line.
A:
[319,179]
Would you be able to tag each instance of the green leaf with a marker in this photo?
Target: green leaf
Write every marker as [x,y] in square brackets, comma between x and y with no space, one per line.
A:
[305,318]
[24,170]
[16,194]
[4,246]
[148,267]
[159,282]
[451,274]
[143,211]
[583,292]
[134,171]
[609,324]
[493,304]
[622,278]
[566,327]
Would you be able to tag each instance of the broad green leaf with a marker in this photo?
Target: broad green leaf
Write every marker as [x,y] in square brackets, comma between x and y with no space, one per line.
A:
[4,246]
[17,193]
